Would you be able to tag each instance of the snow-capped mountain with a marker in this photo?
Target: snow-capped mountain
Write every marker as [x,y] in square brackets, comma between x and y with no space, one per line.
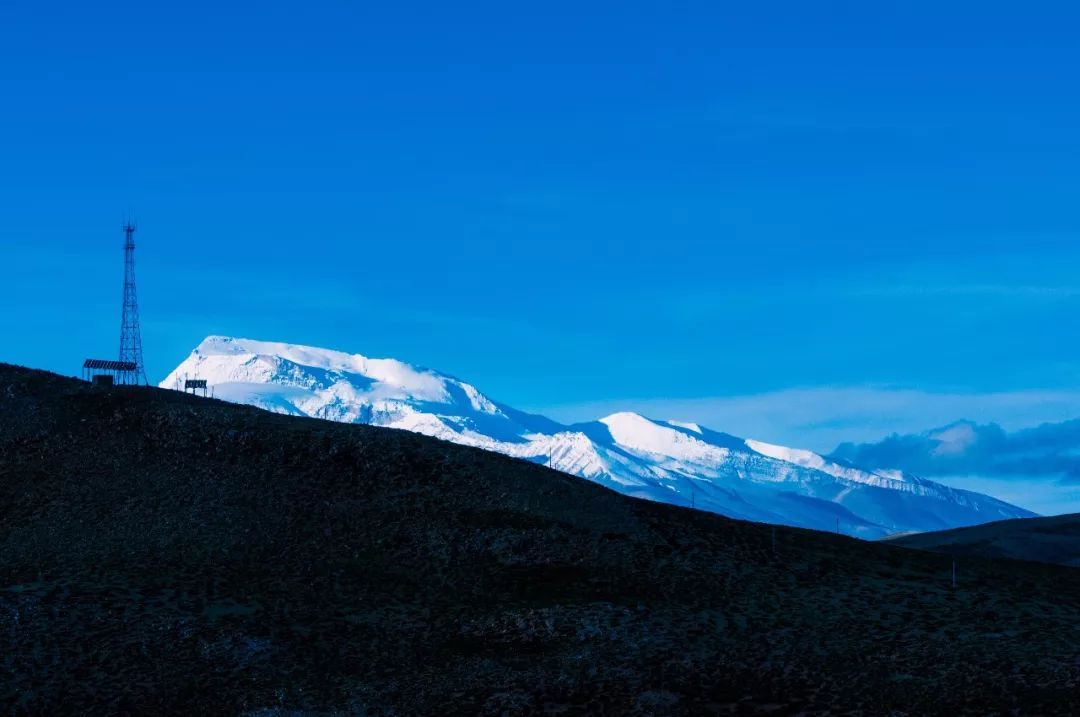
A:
[668,461]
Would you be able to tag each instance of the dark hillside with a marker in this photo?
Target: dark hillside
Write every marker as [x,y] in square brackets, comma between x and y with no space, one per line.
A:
[1055,539]
[162,554]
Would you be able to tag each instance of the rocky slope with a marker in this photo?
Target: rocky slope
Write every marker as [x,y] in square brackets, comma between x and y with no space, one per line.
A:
[162,554]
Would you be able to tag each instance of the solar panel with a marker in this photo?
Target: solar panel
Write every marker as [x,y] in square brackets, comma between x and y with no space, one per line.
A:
[106,365]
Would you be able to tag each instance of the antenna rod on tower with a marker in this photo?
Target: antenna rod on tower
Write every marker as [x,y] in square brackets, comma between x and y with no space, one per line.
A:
[130,336]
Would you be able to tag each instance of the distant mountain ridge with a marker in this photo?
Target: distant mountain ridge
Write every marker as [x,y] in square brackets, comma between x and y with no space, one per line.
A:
[1054,539]
[666,461]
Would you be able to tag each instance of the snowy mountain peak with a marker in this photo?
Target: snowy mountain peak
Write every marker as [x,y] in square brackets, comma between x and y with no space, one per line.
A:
[221,351]
[807,459]
[669,461]
[637,432]
[327,383]
[687,425]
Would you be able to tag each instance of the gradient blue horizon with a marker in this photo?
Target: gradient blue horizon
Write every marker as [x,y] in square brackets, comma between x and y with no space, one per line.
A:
[612,204]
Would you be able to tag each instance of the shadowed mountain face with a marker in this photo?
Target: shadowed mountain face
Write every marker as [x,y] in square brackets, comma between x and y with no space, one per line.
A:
[162,554]
[1046,540]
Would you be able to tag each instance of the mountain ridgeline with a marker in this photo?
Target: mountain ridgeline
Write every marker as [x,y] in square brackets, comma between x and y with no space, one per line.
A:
[1055,539]
[166,554]
[667,461]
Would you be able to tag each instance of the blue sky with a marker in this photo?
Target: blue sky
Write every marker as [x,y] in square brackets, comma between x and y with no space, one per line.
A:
[801,223]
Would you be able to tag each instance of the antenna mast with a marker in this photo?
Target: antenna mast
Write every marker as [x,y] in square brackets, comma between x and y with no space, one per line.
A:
[130,337]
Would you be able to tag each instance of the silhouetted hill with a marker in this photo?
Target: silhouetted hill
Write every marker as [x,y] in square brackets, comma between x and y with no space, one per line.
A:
[1049,540]
[162,554]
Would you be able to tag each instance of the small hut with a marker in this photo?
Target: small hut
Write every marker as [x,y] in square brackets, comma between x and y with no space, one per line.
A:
[103,372]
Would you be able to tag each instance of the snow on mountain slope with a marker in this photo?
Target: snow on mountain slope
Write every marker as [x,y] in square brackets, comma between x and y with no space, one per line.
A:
[668,461]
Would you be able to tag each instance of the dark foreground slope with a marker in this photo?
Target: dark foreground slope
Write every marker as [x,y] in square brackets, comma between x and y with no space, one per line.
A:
[164,554]
[1049,540]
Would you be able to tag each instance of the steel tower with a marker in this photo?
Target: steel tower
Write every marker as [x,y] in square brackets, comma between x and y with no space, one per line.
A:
[130,337]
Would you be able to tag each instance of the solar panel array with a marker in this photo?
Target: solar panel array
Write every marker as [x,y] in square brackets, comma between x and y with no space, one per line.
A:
[106,365]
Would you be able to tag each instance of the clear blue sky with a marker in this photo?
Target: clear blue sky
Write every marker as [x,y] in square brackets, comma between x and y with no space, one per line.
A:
[571,205]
